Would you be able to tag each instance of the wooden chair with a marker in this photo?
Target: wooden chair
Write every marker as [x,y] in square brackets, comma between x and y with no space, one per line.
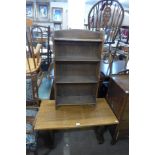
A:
[122,46]
[32,66]
[32,55]
[106,16]
[29,22]
[33,63]
[33,71]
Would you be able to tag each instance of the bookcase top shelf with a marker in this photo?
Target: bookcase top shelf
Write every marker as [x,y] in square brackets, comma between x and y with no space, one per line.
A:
[78,35]
[78,39]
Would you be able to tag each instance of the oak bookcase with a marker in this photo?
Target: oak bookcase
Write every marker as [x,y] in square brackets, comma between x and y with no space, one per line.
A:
[76,66]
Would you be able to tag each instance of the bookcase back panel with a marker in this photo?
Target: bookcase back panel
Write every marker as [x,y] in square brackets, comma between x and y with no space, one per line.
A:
[76,69]
[75,100]
[76,89]
[76,94]
[77,49]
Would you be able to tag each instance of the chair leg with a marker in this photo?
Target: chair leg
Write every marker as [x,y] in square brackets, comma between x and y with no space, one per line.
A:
[126,61]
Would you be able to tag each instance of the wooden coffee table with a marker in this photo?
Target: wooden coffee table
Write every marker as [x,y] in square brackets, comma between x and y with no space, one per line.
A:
[71,117]
[68,117]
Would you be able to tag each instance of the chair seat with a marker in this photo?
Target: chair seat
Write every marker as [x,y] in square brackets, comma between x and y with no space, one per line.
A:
[33,68]
[122,52]
[37,49]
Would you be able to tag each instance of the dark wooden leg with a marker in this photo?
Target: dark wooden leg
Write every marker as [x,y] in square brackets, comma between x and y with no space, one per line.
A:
[114,131]
[49,139]
[99,132]
[115,138]
[113,141]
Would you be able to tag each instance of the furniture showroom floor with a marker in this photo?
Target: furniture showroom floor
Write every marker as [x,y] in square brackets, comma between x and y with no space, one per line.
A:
[82,142]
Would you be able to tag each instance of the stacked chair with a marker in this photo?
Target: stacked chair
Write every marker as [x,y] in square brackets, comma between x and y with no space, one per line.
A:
[107,16]
[33,63]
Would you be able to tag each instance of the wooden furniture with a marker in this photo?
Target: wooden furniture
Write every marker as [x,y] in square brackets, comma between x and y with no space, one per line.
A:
[118,99]
[41,34]
[29,22]
[77,60]
[72,117]
[32,54]
[68,117]
[33,63]
[106,16]
[122,47]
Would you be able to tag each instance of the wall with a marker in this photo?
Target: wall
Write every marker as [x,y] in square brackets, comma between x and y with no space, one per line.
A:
[76,14]
[65,12]
[87,9]
[63,5]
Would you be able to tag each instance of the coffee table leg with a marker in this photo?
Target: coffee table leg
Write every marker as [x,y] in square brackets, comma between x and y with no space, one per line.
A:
[99,132]
[48,138]
[115,138]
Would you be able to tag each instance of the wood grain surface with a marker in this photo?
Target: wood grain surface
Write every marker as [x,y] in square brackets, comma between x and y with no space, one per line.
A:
[67,117]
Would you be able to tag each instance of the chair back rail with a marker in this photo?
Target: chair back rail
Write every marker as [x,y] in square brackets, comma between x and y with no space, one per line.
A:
[106,16]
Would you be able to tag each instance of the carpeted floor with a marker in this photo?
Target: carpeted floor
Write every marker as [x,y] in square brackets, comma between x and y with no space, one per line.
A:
[82,142]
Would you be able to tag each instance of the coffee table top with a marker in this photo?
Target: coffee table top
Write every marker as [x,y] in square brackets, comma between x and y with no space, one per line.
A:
[67,117]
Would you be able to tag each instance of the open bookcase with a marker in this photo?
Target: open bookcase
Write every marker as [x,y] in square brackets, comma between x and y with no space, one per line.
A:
[77,62]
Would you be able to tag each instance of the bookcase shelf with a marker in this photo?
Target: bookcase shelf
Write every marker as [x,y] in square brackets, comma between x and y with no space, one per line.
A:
[76,79]
[77,62]
[70,59]
[77,100]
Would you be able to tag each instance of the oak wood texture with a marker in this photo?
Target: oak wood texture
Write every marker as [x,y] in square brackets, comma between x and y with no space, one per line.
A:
[78,34]
[122,81]
[118,99]
[76,72]
[83,93]
[40,40]
[37,49]
[29,22]
[32,65]
[77,58]
[68,117]
[75,50]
